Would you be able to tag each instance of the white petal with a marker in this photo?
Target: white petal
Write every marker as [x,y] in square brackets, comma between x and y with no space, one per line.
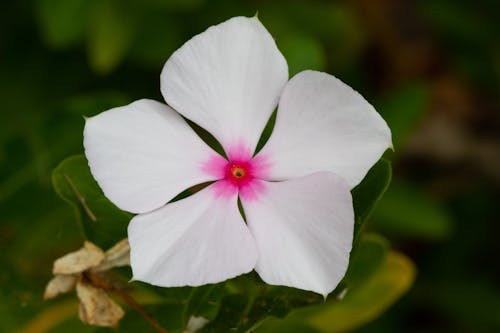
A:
[227,80]
[144,154]
[303,229]
[324,125]
[198,240]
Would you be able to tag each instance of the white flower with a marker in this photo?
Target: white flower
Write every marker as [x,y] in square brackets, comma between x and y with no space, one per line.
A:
[295,192]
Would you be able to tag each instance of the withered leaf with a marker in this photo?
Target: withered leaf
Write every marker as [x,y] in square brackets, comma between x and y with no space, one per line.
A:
[118,255]
[58,285]
[75,262]
[96,307]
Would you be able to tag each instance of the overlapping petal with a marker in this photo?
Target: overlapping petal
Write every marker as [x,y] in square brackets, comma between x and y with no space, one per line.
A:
[303,229]
[198,240]
[227,80]
[144,154]
[324,125]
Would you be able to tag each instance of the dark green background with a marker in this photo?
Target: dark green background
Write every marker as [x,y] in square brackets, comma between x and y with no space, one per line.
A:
[431,68]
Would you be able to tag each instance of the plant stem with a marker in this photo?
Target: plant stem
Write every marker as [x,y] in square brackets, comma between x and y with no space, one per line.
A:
[130,301]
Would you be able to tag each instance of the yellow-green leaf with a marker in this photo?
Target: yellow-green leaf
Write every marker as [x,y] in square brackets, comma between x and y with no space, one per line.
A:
[361,304]
[368,300]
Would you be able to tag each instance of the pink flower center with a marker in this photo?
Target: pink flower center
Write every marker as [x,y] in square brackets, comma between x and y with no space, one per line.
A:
[239,172]
[242,173]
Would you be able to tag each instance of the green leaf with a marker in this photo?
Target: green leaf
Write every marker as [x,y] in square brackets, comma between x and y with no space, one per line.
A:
[366,195]
[303,52]
[204,301]
[245,311]
[403,109]
[361,304]
[366,257]
[62,22]
[370,299]
[101,221]
[407,211]
[111,33]
[230,315]
[277,301]
[243,303]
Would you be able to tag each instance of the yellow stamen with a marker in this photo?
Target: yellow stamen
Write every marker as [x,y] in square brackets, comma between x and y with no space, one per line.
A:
[237,172]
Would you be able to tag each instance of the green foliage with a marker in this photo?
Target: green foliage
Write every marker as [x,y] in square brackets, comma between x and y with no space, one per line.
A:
[111,34]
[302,52]
[157,36]
[101,221]
[63,22]
[247,301]
[403,110]
[380,290]
[366,257]
[406,211]
[366,195]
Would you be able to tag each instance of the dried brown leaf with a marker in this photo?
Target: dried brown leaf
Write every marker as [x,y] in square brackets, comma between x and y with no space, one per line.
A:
[118,255]
[58,285]
[96,307]
[76,262]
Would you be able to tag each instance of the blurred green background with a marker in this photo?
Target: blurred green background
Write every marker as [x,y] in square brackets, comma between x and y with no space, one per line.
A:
[431,68]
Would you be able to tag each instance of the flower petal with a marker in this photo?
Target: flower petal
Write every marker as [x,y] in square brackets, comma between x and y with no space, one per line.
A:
[144,154]
[324,125]
[194,241]
[227,80]
[303,229]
